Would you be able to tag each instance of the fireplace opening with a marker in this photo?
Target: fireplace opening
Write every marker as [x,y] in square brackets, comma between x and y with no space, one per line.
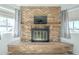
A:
[40,35]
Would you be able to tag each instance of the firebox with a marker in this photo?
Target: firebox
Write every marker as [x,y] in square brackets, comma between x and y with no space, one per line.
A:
[40,34]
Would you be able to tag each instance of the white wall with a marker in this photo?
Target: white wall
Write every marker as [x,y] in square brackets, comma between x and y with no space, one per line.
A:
[74,40]
[6,38]
[73,15]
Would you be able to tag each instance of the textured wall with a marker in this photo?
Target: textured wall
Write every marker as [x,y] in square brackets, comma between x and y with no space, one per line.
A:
[52,14]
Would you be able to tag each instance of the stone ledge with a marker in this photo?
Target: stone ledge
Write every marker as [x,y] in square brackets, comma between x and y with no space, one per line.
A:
[40,48]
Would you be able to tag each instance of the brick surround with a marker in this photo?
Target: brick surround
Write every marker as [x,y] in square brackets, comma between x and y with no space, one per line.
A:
[53,21]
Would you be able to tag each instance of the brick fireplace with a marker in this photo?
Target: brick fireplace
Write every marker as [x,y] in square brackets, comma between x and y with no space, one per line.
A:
[52,17]
[40,32]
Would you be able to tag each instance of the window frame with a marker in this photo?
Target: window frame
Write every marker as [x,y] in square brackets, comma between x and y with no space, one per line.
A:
[6,25]
[73,29]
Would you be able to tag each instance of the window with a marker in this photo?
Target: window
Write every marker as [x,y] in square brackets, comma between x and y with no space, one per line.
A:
[74,25]
[7,24]
[71,25]
[9,21]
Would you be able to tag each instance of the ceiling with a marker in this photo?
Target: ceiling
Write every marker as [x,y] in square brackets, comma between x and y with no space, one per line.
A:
[63,6]
[17,6]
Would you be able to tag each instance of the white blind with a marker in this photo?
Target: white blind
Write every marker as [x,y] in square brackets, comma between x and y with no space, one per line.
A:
[74,14]
[17,21]
[7,12]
